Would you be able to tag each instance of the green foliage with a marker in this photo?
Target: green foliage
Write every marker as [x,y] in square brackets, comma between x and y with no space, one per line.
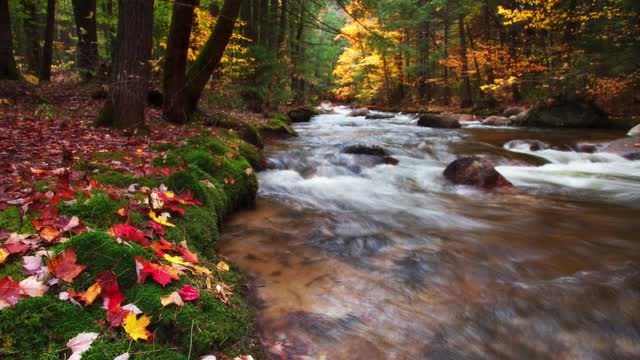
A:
[11,219]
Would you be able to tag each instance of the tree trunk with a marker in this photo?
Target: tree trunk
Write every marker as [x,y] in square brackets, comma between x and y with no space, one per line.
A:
[210,54]
[32,38]
[108,29]
[127,98]
[84,13]
[447,90]
[283,26]
[8,69]
[424,87]
[47,49]
[175,65]
[297,55]
[467,100]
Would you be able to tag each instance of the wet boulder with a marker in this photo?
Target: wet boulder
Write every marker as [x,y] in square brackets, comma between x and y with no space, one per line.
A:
[635,131]
[475,171]
[359,112]
[497,121]
[626,147]
[445,120]
[378,116]
[301,114]
[467,117]
[359,149]
[512,111]
[566,113]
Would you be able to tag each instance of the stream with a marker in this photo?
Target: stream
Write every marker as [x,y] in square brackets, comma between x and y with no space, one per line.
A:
[356,261]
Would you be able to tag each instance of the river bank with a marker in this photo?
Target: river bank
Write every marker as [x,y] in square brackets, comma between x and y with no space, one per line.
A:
[112,237]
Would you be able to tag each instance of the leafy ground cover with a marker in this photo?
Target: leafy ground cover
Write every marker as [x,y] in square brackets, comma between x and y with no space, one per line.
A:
[107,239]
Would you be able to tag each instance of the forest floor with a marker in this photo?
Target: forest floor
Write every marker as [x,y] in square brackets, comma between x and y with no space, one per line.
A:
[89,213]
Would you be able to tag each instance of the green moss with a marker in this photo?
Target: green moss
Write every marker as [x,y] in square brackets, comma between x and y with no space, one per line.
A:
[99,252]
[115,178]
[277,127]
[253,156]
[110,155]
[37,327]
[13,268]
[216,326]
[11,219]
[98,213]
[199,226]
[42,185]
[108,347]
[162,147]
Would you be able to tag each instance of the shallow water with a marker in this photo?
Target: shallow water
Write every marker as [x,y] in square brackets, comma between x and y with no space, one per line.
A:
[354,260]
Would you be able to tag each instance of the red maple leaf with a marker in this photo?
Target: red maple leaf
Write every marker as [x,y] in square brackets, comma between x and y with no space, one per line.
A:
[157,228]
[162,274]
[128,232]
[9,292]
[110,290]
[189,293]
[64,266]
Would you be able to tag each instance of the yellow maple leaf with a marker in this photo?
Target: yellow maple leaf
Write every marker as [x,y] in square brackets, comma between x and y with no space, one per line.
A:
[137,328]
[202,270]
[162,220]
[176,260]
[222,266]
[4,254]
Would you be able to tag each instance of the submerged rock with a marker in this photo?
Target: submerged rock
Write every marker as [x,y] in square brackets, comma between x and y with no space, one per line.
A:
[301,115]
[445,120]
[378,116]
[359,112]
[566,113]
[531,145]
[625,147]
[475,171]
[359,149]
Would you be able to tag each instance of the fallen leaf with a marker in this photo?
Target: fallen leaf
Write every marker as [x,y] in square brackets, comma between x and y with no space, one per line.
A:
[110,291]
[189,293]
[4,254]
[161,274]
[128,232]
[71,224]
[173,298]
[186,254]
[9,292]
[32,287]
[81,343]
[64,266]
[137,328]
[92,293]
[175,259]
[132,308]
[222,266]
[49,233]
[162,220]
[124,356]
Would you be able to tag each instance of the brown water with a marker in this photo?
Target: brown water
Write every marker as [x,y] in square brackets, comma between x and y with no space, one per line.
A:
[354,261]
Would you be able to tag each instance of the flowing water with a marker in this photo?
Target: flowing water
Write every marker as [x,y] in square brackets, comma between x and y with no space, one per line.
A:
[353,260]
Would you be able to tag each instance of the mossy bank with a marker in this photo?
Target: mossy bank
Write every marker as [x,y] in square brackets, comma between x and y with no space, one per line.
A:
[219,170]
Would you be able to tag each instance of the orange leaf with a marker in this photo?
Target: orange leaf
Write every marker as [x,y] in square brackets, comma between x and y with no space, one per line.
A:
[64,266]
[49,233]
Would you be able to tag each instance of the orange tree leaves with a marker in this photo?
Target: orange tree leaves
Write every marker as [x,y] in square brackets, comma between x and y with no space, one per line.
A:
[64,266]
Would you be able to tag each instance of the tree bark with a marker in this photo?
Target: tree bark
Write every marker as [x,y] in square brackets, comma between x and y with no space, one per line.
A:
[8,68]
[47,49]
[467,100]
[31,36]
[126,102]
[210,54]
[84,13]
[176,61]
